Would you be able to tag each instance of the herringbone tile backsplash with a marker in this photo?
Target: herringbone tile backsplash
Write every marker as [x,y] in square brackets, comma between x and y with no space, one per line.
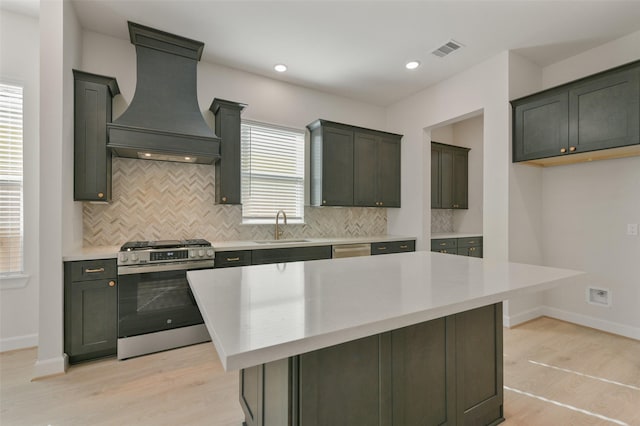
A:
[154,200]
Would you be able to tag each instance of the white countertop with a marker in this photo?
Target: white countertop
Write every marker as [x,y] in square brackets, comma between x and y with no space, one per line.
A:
[91,253]
[258,314]
[303,242]
[440,235]
[107,252]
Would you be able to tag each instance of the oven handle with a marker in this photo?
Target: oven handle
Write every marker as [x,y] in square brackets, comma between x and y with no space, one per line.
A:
[176,266]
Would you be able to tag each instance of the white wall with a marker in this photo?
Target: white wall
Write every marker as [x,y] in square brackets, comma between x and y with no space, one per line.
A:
[586,208]
[482,88]
[59,53]
[19,64]
[468,133]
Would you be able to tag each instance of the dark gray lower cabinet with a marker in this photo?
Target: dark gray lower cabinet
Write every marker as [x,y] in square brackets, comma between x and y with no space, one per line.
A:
[468,246]
[446,371]
[229,259]
[393,247]
[292,254]
[90,309]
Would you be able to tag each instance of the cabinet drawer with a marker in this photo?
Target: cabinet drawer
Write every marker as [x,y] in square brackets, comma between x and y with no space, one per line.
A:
[447,250]
[227,259]
[88,270]
[393,247]
[469,242]
[444,243]
[293,254]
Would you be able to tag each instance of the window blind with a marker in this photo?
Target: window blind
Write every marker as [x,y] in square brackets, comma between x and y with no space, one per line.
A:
[272,168]
[11,222]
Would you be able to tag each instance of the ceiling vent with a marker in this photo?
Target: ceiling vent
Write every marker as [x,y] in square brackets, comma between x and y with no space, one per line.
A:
[447,48]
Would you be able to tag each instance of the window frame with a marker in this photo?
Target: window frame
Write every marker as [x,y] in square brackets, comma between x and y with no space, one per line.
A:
[13,175]
[295,179]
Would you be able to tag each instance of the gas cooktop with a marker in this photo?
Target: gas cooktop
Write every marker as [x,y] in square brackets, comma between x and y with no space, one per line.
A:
[163,244]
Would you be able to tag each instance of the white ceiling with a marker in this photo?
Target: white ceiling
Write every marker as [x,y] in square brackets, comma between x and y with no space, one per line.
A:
[358,48]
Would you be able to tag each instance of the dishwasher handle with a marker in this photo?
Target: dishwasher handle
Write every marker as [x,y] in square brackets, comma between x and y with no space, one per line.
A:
[350,250]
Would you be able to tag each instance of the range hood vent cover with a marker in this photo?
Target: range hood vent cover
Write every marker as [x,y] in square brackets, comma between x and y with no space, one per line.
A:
[164,118]
[447,48]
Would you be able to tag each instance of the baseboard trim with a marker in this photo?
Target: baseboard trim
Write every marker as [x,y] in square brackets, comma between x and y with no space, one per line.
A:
[591,322]
[50,367]
[522,317]
[18,342]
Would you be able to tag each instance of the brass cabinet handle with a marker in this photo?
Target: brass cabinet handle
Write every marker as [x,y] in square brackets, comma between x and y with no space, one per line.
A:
[224,199]
[324,201]
[93,271]
[382,248]
[471,242]
[112,283]
[472,249]
[443,244]
[381,203]
[100,195]
[404,247]
[563,150]
[232,259]
[572,148]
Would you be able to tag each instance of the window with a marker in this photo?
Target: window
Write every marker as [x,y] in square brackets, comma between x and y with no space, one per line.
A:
[11,222]
[272,173]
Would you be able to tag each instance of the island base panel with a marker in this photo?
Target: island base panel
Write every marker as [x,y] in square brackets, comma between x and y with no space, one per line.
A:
[446,371]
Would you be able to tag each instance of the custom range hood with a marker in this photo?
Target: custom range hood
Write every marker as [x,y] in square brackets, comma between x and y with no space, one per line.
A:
[163,121]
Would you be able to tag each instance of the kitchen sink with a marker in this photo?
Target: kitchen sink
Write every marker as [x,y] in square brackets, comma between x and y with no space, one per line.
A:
[280,241]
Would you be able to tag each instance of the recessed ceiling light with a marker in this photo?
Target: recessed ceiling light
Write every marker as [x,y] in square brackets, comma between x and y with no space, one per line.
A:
[280,67]
[412,65]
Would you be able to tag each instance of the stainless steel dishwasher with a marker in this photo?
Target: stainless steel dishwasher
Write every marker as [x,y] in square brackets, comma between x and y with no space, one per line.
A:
[350,250]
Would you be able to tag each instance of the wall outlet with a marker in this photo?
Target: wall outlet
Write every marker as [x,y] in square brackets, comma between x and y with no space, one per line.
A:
[632,229]
[599,296]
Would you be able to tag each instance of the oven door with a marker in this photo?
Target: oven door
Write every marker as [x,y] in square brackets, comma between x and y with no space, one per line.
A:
[155,298]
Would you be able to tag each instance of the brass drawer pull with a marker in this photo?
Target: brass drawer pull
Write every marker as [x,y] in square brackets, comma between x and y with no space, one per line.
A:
[472,249]
[563,150]
[382,248]
[232,259]
[471,242]
[443,244]
[112,283]
[404,246]
[572,148]
[93,271]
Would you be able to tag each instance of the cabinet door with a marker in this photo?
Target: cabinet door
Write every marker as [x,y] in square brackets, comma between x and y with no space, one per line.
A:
[459,188]
[365,175]
[604,112]
[92,160]
[92,318]
[389,172]
[436,174]
[423,375]
[337,167]
[340,385]
[447,177]
[541,127]
[479,365]
[227,170]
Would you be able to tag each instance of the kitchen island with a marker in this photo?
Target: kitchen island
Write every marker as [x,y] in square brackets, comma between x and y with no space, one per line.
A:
[402,339]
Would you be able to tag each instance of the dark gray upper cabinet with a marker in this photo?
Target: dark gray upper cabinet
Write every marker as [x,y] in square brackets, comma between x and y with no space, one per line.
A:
[354,166]
[92,159]
[227,113]
[449,176]
[331,164]
[377,170]
[594,113]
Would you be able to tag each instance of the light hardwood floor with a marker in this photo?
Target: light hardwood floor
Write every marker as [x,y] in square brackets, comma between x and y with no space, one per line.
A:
[556,373]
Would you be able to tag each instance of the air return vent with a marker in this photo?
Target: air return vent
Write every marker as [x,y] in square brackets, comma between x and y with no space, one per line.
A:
[447,48]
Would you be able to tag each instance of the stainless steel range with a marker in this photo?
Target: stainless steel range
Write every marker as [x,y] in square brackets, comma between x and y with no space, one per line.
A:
[156,309]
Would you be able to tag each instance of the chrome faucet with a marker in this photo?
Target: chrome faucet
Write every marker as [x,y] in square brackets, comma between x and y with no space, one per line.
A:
[277,232]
